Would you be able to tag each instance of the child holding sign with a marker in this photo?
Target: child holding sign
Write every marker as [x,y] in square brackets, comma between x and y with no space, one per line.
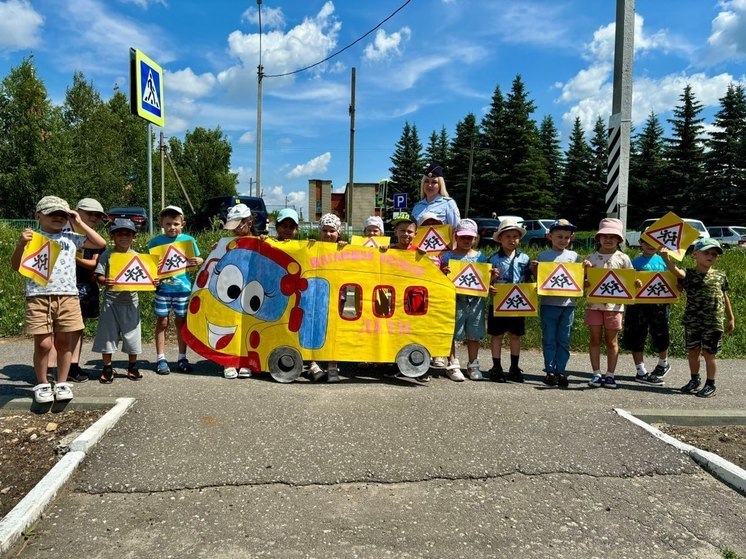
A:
[605,318]
[173,292]
[557,312]
[707,305]
[120,313]
[639,320]
[52,308]
[469,308]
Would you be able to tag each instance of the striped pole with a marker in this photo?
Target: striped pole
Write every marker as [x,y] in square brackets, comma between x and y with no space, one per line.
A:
[612,165]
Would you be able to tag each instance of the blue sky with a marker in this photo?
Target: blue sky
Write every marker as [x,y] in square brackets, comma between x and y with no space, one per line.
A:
[431,64]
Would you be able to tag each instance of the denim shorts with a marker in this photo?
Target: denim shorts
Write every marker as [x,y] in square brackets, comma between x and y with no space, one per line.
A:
[469,318]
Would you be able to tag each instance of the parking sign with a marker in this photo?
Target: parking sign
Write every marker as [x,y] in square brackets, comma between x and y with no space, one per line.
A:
[400,201]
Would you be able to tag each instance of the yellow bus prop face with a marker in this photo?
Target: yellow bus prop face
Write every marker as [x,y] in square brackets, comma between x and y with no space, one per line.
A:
[270,305]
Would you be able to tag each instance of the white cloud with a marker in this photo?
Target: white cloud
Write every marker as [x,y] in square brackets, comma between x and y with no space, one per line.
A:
[145,3]
[728,37]
[247,137]
[100,37]
[303,45]
[20,25]
[316,165]
[272,18]
[531,23]
[189,83]
[275,198]
[385,46]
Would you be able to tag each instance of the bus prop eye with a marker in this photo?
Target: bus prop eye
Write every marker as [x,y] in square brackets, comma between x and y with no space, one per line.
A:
[252,297]
[228,286]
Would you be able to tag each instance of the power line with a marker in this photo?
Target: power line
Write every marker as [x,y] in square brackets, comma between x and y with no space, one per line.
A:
[340,51]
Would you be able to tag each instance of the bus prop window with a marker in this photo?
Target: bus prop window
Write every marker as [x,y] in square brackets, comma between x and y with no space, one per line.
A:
[415,300]
[350,301]
[383,301]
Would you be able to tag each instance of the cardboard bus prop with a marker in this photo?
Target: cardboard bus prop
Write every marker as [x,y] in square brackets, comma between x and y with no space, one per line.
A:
[373,242]
[271,305]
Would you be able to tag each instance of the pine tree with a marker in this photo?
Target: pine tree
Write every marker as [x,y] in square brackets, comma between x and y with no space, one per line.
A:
[575,198]
[725,165]
[685,155]
[527,189]
[491,160]
[407,165]
[550,148]
[647,173]
[599,158]
[438,149]
[467,132]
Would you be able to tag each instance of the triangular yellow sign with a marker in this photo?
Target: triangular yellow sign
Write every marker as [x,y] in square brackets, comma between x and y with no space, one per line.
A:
[38,259]
[517,299]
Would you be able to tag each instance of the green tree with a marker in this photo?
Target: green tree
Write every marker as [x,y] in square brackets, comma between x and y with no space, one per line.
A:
[550,148]
[467,132]
[491,160]
[527,189]
[599,159]
[576,201]
[647,173]
[24,131]
[407,164]
[725,163]
[685,154]
[438,149]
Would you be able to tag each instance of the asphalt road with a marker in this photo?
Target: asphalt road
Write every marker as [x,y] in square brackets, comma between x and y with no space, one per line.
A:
[370,467]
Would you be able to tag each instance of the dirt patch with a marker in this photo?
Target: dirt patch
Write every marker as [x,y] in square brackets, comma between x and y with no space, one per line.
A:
[30,447]
[727,441]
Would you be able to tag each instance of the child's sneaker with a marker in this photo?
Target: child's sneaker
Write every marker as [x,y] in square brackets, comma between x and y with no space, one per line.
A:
[597,381]
[692,385]
[453,370]
[439,363]
[316,372]
[77,374]
[708,390]
[332,374]
[63,392]
[185,366]
[609,382]
[244,372]
[650,378]
[230,372]
[162,367]
[496,374]
[562,381]
[107,375]
[43,393]
[515,374]
[660,371]
[472,369]
[550,379]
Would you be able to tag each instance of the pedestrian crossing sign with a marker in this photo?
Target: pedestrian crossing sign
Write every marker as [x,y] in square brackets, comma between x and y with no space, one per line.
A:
[146,88]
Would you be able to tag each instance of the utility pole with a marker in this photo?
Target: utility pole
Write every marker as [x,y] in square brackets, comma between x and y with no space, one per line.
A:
[163,172]
[620,122]
[251,182]
[351,181]
[259,77]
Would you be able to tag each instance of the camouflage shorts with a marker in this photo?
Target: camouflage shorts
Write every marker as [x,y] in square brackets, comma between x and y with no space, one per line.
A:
[708,340]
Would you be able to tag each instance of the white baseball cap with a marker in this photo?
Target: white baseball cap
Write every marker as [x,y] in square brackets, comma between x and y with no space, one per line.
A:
[235,215]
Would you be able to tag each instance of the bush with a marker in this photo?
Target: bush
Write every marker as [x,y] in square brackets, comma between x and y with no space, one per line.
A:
[733,262]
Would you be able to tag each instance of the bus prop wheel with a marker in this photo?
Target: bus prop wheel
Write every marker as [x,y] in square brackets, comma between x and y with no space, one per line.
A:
[413,360]
[285,364]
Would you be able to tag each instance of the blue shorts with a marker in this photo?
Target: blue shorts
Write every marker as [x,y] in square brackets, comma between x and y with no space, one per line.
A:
[469,318]
[164,302]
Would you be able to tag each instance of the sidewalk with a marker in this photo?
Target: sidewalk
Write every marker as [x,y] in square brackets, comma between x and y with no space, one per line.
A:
[207,467]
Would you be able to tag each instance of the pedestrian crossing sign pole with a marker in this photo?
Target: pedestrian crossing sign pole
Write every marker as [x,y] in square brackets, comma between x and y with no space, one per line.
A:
[146,88]
[146,101]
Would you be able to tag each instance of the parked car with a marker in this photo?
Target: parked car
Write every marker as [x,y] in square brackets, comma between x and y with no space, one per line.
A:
[138,216]
[633,237]
[729,235]
[486,227]
[536,232]
[218,208]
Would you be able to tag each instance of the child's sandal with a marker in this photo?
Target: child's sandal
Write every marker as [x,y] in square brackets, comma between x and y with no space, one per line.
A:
[107,375]
[133,373]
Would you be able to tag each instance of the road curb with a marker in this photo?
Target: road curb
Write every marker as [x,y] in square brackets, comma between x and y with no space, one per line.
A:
[722,469]
[31,507]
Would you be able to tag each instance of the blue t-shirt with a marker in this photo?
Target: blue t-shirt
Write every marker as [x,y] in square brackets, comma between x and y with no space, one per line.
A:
[652,263]
[445,208]
[180,283]
[513,269]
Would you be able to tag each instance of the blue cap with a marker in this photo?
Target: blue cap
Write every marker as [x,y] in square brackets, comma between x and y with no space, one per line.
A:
[287,213]
[562,224]
[122,223]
